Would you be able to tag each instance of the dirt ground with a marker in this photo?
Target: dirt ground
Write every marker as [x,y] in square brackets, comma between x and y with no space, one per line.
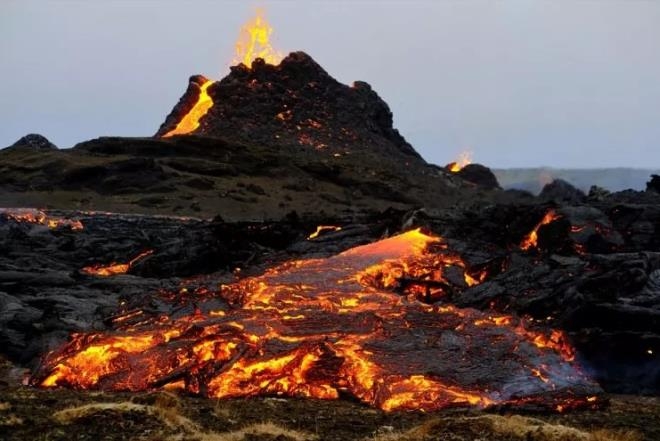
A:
[34,414]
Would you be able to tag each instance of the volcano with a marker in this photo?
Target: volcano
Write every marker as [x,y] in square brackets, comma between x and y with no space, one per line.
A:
[278,237]
[262,142]
[293,103]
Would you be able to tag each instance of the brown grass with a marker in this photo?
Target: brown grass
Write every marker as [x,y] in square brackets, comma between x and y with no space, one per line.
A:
[516,426]
[166,408]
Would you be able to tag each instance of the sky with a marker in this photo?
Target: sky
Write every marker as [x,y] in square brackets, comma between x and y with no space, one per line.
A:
[519,83]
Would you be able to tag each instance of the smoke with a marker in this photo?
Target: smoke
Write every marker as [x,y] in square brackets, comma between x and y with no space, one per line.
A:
[612,179]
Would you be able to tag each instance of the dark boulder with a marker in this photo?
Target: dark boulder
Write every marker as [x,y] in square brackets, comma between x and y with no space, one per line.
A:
[654,184]
[561,191]
[480,175]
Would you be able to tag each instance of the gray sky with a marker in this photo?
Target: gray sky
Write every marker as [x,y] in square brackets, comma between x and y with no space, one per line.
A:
[519,82]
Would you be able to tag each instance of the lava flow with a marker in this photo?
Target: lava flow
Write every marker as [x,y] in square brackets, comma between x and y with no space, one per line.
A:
[33,216]
[531,240]
[114,268]
[190,121]
[324,327]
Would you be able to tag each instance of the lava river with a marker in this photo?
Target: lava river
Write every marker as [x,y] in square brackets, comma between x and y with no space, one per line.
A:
[335,326]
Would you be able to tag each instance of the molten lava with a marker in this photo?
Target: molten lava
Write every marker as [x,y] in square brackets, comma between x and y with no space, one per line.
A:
[33,216]
[322,229]
[464,159]
[323,327]
[190,121]
[531,240]
[114,268]
[254,42]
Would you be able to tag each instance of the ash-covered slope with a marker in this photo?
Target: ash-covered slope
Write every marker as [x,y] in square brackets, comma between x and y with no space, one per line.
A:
[296,103]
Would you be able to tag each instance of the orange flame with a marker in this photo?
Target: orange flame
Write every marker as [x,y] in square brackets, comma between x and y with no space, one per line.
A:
[254,42]
[531,240]
[190,121]
[464,159]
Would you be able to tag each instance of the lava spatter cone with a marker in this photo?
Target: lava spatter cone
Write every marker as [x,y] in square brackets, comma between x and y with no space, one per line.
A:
[294,103]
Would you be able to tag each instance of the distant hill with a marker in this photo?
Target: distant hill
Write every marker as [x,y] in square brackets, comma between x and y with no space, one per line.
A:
[613,179]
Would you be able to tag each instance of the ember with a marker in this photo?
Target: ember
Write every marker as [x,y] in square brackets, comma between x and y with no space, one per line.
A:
[321,327]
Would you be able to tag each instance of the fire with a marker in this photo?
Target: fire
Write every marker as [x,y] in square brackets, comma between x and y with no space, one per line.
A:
[114,268]
[33,216]
[464,159]
[254,42]
[326,327]
[531,240]
[190,121]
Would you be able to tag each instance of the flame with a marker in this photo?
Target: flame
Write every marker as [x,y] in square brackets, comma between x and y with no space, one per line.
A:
[190,121]
[464,158]
[254,42]
[32,216]
[114,268]
[323,327]
[531,240]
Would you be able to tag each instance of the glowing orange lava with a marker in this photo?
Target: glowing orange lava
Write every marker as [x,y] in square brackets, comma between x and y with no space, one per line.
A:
[321,229]
[325,327]
[190,121]
[464,159]
[531,240]
[33,216]
[254,42]
[114,268]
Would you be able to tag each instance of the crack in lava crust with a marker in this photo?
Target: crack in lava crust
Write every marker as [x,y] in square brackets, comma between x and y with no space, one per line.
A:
[324,327]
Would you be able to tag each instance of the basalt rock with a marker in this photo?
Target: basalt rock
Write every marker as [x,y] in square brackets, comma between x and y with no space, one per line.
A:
[562,191]
[480,175]
[653,184]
